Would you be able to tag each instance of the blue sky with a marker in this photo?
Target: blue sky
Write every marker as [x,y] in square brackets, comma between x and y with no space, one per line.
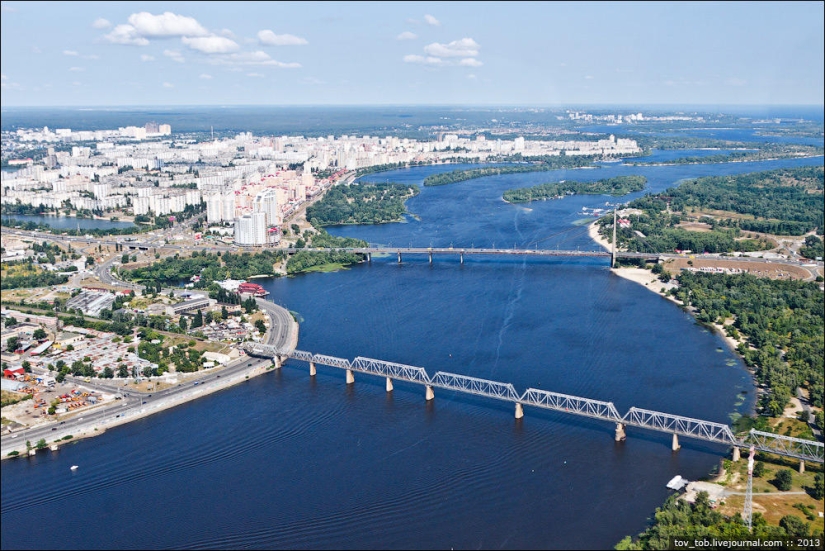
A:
[411,53]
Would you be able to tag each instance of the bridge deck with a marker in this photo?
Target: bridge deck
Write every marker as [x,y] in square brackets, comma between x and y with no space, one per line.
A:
[708,431]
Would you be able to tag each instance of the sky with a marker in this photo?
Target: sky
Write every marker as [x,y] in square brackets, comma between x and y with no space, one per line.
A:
[411,53]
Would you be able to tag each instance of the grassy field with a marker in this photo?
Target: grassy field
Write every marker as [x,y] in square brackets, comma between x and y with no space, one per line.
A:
[767,499]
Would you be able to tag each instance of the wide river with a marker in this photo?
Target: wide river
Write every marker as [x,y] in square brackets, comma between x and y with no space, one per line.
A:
[288,461]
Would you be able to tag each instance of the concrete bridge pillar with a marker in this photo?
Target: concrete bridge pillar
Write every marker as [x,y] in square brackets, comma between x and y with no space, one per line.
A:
[736,456]
[675,446]
[389,384]
[33,451]
[519,411]
[431,257]
[369,257]
[312,370]
[801,467]
[350,377]
[399,257]
[462,257]
[429,394]
[276,361]
[620,434]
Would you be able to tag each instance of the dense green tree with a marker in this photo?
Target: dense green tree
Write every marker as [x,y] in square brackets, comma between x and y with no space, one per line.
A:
[783,480]
[795,526]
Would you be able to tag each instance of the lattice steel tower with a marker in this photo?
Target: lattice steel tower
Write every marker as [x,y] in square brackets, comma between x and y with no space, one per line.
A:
[748,513]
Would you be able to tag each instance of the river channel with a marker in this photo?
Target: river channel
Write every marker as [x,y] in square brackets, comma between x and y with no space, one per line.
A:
[288,461]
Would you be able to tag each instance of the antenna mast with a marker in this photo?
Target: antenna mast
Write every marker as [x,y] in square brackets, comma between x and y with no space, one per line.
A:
[748,513]
[613,254]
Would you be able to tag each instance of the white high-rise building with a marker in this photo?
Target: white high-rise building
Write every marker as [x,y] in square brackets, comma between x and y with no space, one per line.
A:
[250,229]
[266,201]
[228,206]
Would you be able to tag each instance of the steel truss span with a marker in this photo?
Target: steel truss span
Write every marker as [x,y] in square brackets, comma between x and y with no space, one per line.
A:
[571,404]
[391,370]
[805,450]
[676,424]
[473,385]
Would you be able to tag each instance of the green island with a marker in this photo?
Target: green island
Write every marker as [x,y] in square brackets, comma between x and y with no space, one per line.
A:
[779,330]
[749,152]
[545,163]
[712,214]
[620,185]
[362,203]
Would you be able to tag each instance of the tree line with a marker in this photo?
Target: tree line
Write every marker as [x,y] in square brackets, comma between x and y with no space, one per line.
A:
[620,185]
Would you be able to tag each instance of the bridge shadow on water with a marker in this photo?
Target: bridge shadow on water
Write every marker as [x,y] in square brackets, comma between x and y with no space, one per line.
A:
[461,403]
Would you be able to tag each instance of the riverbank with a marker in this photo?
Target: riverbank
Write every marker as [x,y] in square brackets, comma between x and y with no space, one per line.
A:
[201,384]
[651,281]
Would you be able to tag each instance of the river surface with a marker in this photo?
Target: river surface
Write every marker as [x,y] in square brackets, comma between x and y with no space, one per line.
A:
[66,222]
[293,462]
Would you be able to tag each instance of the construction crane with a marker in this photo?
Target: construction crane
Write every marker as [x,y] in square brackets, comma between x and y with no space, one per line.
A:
[748,513]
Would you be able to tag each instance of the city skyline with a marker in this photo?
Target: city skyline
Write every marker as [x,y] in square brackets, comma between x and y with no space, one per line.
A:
[413,53]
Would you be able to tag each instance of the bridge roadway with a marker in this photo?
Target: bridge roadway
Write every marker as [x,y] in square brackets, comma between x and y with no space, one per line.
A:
[676,425]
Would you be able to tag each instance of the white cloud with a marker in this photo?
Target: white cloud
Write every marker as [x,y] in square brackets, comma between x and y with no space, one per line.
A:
[429,60]
[406,35]
[589,77]
[466,47]
[472,76]
[76,69]
[271,39]
[36,50]
[227,33]
[432,20]
[165,25]
[205,76]
[101,23]
[126,34]
[145,57]
[251,58]
[70,52]
[211,44]
[470,62]
[168,85]
[175,55]
[256,75]
[91,56]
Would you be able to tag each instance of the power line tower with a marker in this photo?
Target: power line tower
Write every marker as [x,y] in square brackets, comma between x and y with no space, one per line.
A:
[748,513]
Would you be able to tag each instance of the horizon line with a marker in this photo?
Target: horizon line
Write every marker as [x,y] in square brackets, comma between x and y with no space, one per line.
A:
[453,105]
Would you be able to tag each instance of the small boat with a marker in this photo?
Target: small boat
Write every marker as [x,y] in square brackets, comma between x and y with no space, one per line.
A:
[74,467]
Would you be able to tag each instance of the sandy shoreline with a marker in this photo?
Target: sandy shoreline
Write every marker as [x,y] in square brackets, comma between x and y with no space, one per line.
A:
[651,281]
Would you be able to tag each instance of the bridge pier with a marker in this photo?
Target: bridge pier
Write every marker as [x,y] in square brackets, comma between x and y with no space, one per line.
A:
[350,377]
[431,258]
[736,455]
[429,395]
[801,466]
[276,362]
[389,384]
[519,411]
[369,257]
[399,257]
[620,434]
[312,370]
[675,445]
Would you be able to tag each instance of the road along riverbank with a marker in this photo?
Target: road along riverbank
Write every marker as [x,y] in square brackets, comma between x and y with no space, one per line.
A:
[100,419]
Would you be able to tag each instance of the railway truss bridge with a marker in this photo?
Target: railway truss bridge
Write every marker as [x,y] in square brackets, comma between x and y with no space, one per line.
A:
[676,425]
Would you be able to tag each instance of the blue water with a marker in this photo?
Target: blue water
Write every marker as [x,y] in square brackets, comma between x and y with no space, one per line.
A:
[66,222]
[287,461]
